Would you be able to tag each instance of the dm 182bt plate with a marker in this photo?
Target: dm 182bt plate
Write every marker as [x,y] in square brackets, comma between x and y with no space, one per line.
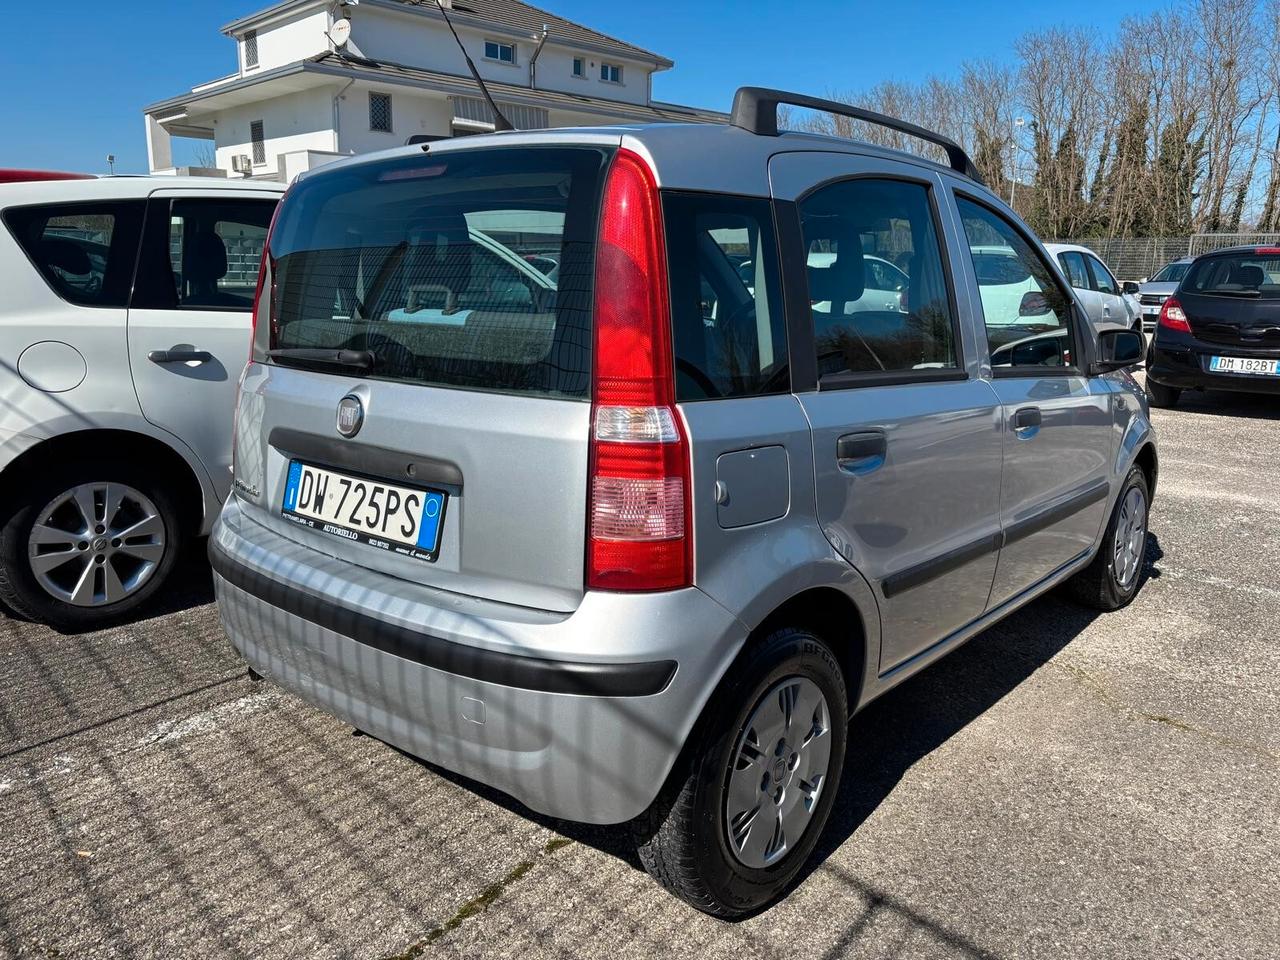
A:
[403,520]
[1266,368]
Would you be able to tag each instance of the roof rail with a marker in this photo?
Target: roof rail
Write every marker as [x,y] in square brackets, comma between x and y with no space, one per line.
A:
[755,109]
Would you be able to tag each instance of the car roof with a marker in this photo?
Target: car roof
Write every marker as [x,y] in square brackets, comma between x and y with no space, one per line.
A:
[1067,247]
[123,188]
[687,156]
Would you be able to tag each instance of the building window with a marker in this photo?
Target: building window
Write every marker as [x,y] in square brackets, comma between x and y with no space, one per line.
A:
[579,67]
[502,52]
[610,73]
[259,142]
[250,49]
[380,112]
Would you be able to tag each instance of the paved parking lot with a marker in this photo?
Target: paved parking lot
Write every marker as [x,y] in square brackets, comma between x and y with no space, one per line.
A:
[1066,784]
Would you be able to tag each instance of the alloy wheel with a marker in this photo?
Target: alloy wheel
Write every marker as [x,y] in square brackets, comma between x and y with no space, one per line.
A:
[96,544]
[1131,538]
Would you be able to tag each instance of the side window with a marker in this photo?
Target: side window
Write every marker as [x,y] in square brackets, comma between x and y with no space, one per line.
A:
[1104,282]
[877,286]
[1073,266]
[726,306]
[84,251]
[1027,314]
[202,254]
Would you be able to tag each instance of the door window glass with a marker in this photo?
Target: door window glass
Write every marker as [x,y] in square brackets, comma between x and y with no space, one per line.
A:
[1103,281]
[877,284]
[1073,266]
[84,251]
[202,254]
[1027,314]
[727,319]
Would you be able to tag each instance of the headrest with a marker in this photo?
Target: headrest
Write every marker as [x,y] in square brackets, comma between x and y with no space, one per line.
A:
[843,280]
[67,255]
[204,258]
[1248,275]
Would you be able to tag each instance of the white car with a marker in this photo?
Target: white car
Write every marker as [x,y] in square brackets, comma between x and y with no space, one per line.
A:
[124,327]
[1110,304]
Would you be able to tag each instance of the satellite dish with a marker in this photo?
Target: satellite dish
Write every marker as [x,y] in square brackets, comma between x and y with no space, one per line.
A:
[340,32]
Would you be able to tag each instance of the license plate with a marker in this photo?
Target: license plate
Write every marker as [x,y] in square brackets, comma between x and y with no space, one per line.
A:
[403,520]
[1266,368]
[1151,311]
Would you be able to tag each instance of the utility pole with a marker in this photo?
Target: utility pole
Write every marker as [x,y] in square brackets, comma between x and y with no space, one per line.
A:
[1014,124]
[111,164]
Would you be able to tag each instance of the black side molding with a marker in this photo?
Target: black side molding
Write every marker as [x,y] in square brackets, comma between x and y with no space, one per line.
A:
[921,573]
[487,666]
[935,567]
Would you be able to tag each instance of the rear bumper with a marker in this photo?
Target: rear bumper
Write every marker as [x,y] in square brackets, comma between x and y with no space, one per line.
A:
[579,716]
[1184,369]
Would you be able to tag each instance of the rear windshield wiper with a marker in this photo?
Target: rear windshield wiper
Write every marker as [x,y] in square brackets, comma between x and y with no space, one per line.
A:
[1251,294]
[362,360]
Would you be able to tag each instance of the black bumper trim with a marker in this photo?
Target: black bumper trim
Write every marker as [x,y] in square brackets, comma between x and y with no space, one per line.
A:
[487,666]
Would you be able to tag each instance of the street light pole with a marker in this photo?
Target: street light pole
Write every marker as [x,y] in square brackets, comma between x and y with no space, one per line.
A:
[1014,124]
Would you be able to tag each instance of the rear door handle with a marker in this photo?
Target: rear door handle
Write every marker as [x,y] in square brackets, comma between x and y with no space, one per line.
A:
[1026,422]
[179,356]
[861,452]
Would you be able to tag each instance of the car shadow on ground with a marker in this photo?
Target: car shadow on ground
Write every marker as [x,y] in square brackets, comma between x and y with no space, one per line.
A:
[1223,403]
[899,728]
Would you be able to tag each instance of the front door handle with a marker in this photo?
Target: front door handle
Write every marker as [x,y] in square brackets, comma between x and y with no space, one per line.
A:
[179,356]
[1026,422]
[861,452]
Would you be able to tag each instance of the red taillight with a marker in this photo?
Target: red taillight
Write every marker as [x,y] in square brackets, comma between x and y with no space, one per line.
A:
[639,529]
[1266,251]
[32,176]
[1174,317]
[266,265]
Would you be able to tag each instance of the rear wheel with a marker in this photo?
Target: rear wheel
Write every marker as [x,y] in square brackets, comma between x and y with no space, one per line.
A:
[87,544]
[737,823]
[1112,579]
[1160,395]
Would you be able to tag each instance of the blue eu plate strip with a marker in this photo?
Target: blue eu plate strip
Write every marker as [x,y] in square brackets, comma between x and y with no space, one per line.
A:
[291,487]
[429,529]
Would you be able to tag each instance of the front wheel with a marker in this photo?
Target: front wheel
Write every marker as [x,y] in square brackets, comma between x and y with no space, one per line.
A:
[738,822]
[1112,579]
[87,544]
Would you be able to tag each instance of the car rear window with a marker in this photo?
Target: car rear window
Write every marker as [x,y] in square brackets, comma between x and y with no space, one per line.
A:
[84,251]
[1247,275]
[466,269]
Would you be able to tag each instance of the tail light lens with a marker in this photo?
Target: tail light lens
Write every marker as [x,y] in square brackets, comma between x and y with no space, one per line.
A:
[1174,317]
[639,529]
[33,176]
[267,266]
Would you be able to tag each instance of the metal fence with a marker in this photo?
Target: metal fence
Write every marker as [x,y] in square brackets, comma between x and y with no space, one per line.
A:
[1135,258]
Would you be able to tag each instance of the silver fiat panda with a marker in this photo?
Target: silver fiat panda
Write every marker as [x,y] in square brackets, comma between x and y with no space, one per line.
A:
[616,468]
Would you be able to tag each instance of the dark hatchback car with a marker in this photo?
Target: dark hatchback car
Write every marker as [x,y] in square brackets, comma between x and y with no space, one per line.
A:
[1221,328]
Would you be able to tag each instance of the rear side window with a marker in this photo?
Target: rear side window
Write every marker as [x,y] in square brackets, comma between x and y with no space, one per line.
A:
[202,253]
[84,251]
[726,307]
[467,269]
[1248,276]
[877,287]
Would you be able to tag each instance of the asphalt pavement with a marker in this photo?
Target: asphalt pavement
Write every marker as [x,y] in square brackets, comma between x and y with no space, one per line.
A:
[1067,784]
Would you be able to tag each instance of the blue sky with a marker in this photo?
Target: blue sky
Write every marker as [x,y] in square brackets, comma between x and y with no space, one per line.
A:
[78,72]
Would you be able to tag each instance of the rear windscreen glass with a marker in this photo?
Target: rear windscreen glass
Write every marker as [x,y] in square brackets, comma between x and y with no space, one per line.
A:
[466,269]
[1249,276]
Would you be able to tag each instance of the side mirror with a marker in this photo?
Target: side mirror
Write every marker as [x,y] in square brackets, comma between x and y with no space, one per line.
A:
[1129,286]
[1118,349]
[1034,304]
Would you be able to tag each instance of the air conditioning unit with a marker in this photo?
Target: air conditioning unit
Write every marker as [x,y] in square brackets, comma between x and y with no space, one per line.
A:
[242,164]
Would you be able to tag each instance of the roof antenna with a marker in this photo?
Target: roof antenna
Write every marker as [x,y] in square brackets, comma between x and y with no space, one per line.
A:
[499,121]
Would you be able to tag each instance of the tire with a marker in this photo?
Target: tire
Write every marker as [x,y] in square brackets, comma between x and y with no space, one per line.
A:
[1160,395]
[124,498]
[1112,580]
[684,840]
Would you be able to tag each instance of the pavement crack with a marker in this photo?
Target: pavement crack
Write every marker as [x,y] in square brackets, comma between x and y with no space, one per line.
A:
[1117,705]
[481,901]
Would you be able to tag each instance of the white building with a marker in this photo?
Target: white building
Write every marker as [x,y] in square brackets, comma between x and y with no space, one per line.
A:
[298,98]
